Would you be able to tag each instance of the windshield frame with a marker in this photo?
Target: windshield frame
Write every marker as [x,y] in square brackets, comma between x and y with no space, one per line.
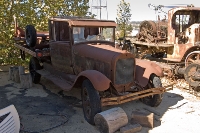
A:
[82,33]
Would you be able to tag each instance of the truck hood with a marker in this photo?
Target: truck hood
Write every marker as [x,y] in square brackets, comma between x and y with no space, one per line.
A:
[100,52]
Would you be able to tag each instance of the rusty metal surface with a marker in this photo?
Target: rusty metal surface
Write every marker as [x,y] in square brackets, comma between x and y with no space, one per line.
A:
[104,59]
[144,69]
[193,57]
[108,68]
[24,48]
[178,52]
[183,36]
[134,96]
[59,81]
[192,74]
[78,21]
[187,38]
[98,80]
[67,81]
[97,57]
[152,44]
[153,32]
[171,18]
[61,56]
[92,23]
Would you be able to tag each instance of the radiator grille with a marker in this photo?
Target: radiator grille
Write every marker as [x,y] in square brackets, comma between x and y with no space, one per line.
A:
[124,71]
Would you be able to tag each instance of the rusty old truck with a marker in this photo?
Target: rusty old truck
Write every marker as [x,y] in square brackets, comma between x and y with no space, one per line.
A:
[80,53]
[175,39]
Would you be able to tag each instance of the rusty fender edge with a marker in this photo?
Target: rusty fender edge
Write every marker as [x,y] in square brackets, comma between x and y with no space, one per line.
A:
[98,80]
[144,69]
[134,96]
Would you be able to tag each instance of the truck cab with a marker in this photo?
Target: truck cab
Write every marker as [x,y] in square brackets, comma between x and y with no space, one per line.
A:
[183,31]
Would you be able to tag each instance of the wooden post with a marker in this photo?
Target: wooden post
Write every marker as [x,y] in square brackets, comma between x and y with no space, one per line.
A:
[111,120]
[21,70]
[131,128]
[14,73]
[143,118]
[26,80]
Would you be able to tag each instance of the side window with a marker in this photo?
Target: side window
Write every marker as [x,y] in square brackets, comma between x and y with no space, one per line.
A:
[64,31]
[198,18]
[181,21]
[61,31]
[51,30]
[57,28]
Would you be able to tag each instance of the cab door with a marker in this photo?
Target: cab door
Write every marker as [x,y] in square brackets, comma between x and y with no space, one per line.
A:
[60,46]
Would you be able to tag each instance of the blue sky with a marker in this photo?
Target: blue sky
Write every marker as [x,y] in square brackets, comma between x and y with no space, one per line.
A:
[139,9]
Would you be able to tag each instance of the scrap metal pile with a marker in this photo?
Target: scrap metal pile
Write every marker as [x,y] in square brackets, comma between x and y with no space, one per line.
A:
[153,32]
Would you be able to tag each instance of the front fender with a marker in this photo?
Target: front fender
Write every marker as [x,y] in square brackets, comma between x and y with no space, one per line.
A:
[98,80]
[144,69]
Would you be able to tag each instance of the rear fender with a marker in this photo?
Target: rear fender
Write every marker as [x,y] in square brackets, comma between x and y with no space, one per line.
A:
[144,69]
[98,80]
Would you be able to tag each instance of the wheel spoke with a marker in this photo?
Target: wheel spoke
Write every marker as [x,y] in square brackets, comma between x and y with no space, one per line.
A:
[198,56]
[191,60]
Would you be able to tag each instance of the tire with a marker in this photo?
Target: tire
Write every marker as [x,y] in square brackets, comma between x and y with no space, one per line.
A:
[33,66]
[30,36]
[155,100]
[90,101]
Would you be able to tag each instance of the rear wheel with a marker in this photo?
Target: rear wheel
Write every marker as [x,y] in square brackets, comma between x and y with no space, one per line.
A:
[193,57]
[30,35]
[34,65]
[90,101]
[155,100]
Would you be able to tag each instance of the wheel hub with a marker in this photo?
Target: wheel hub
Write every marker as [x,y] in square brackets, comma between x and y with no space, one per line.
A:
[192,74]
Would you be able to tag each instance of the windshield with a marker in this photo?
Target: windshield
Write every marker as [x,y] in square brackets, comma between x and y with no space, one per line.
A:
[81,34]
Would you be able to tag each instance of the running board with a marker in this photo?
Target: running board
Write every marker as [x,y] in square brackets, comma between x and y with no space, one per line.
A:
[59,81]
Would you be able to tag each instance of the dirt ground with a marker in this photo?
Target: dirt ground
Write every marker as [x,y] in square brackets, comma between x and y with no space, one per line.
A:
[46,108]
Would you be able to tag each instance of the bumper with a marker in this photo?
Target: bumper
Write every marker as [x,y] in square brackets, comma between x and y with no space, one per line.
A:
[134,96]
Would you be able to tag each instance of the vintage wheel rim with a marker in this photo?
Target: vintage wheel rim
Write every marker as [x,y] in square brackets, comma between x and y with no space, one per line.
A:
[148,25]
[86,103]
[190,73]
[193,58]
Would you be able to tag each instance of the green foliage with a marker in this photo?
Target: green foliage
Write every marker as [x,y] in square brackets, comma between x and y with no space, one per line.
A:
[34,12]
[123,18]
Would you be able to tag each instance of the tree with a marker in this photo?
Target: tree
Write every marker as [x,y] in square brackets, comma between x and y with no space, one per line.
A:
[34,12]
[123,17]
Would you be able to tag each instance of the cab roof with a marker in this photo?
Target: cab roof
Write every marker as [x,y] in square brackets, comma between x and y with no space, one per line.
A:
[85,21]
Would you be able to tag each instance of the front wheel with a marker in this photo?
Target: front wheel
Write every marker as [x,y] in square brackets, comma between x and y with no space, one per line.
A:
[90,101]
[155,100]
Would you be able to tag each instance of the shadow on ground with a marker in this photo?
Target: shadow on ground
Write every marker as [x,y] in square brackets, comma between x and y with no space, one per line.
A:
[45,109]
[42,109]
[169,101]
